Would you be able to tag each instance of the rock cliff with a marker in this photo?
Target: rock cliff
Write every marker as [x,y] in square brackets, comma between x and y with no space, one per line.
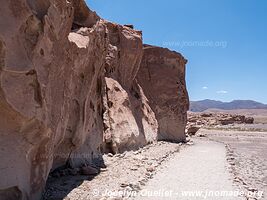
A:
[129,121]
[162,77]
[73,86]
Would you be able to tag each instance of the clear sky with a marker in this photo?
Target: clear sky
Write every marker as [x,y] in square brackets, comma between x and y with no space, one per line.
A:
[225,41]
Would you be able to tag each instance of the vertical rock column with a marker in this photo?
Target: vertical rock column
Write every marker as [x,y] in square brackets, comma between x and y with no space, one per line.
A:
[129,121]
[162,77]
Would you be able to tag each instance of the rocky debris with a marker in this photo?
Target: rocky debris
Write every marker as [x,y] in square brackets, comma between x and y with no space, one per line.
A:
[199,120]
[206,115]
[192,130]
[246,158]
[83,170]
[69,91]
[249,120]
[162,77]
[231,119]
[88,170]
[199,134]
[150,169]
[250,192]
[128,173]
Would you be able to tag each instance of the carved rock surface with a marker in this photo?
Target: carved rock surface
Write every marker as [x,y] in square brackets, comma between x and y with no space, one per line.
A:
[162,77]
[69,91]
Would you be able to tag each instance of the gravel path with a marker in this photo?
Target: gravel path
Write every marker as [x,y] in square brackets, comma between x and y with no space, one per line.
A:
[125,174]
[247,155]
[168,171]
[191,173]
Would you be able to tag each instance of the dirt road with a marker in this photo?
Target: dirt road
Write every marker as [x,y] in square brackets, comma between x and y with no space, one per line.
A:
[198,172]
[246,153]
[205,170]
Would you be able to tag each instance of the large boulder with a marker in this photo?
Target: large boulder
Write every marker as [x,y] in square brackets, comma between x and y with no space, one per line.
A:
[162,77]
[128,119]
[249,120]
[192,129]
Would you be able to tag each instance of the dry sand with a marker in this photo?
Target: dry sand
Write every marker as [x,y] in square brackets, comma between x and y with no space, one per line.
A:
[211,168]
[125,174]
[201,170]
[247,154]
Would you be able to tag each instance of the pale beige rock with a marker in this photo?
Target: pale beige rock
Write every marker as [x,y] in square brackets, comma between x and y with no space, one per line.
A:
[162,77]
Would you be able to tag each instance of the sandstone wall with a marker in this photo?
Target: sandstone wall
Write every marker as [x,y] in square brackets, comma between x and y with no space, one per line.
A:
[162,77]
[129,121]
[50,93]
[69,92]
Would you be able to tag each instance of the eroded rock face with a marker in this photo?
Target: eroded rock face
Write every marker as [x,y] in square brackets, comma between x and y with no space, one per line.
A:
[129,121]
[69,91]
[125,53]
[50,93]
[162,77]
[83,16]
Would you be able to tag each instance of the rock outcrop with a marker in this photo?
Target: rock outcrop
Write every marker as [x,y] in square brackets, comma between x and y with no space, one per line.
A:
[199,120]
[71,88]
[51,92]
[213,119]
[162,77]
[129,121]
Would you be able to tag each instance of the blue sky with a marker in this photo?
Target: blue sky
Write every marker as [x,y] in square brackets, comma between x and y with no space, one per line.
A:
[225,41]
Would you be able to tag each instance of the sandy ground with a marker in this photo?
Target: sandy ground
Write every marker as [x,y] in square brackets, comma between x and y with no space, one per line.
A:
[247,155]
[214,167]
[198,172]
[249,128]
[124,176]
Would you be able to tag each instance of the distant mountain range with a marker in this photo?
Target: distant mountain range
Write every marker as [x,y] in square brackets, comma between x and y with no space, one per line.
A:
[199,106]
